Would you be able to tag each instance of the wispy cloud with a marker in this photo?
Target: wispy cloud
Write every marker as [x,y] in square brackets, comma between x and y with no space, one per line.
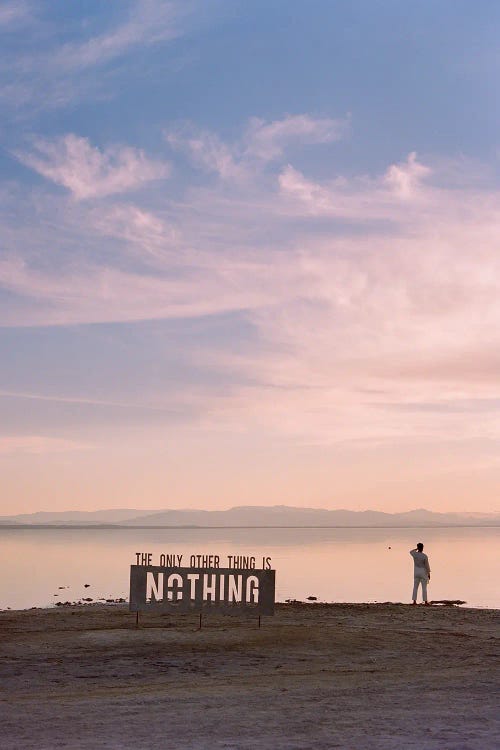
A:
[14,15]
[149,22]
[398,194]
[206,150]
[406,179]
[61,67]
[87,172]
[79,400]
[261,143]
[37,444]
[94,293]
[353,286]
[269,140]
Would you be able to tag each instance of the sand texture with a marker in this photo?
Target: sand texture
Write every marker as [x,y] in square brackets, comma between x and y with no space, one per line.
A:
[314,676]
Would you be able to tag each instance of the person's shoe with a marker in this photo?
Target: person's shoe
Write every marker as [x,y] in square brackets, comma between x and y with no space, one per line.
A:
[414,602]
[427,604]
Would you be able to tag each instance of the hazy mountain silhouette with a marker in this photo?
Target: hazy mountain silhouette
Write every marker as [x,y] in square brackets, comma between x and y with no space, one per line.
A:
[248,515]
[76,517]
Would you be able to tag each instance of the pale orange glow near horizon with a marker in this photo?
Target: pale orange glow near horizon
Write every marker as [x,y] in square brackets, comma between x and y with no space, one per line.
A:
[215,475]
[277,281]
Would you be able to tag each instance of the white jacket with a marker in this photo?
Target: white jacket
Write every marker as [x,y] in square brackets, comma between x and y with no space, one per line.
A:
[421,562]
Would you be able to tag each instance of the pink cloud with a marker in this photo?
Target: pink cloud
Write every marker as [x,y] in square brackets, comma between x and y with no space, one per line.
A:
[149,22]
[397,303]
[390,196]
[268,140]
[86,171]
[261,143]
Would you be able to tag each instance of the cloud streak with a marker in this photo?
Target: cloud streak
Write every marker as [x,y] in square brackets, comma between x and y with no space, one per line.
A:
[14,15]
[87,172]
[399,195]
[61,67]
[268,140]
[150,22]
[37,444]
[261,143]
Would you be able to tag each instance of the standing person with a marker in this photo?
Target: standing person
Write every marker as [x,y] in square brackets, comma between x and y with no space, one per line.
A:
[421,573]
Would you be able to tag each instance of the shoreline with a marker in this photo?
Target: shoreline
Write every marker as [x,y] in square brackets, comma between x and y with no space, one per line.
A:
[123,603]
[316,675]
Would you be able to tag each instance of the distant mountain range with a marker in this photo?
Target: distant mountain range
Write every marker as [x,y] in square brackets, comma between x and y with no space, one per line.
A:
[248,516]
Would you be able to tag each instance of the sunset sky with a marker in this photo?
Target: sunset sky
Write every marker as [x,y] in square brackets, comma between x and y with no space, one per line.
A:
[250,254]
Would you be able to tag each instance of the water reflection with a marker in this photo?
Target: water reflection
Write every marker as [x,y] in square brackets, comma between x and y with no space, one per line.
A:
[332,564]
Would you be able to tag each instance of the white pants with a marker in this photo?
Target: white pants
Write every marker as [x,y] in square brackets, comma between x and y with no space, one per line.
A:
[420,578]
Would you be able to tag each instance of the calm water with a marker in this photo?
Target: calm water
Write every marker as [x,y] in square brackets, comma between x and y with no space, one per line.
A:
[343,565]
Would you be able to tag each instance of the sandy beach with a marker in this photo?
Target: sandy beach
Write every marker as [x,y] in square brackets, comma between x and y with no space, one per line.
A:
[314,676]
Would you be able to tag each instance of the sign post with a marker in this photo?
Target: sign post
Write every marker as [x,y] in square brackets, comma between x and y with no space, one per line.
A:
[155,588]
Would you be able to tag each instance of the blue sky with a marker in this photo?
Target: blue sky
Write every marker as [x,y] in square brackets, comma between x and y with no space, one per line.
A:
[248,254]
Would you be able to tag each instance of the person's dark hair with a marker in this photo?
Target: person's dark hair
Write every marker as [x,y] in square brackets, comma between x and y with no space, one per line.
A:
[420,546]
